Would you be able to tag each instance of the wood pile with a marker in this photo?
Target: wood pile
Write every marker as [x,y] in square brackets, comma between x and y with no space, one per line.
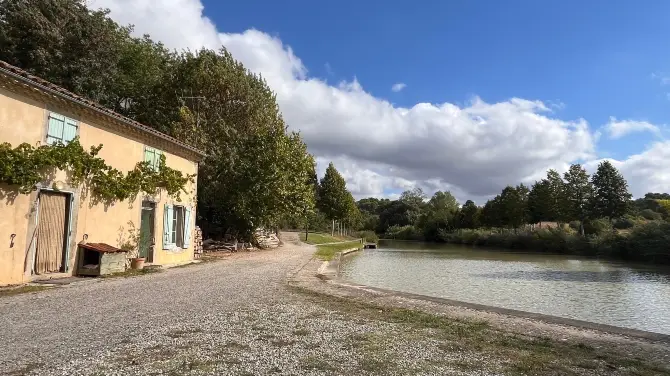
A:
[210,245]
[266,238]
[197,243]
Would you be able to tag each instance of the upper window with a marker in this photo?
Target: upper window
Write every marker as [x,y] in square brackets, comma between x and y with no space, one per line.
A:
[61,129]
[152,156]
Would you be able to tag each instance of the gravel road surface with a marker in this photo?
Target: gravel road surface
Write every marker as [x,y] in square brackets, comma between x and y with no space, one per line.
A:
[238,316]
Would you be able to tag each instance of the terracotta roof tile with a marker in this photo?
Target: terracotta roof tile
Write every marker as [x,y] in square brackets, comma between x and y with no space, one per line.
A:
[101,247]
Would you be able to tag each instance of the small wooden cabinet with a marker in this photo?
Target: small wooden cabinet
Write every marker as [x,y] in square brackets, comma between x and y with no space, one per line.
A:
[97,259]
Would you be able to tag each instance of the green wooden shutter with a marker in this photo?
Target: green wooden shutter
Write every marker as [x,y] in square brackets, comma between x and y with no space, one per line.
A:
[55,129]
[167,227]
[187,227]
[149,156]
[157,160]
[152,156]
[69,130]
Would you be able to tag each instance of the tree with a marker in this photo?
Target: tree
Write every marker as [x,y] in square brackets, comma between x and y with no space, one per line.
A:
[540,202]
[64,43]
[610,198]
[513,202]
[439,214]
[333,196]
[415,200]
[578,195]
[557,203]
[395,213]
[491,215]
[470,215]
[370,205]
[255,172]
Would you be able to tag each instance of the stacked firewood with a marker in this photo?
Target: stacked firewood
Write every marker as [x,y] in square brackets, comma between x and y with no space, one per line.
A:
[197,243]
[266,238]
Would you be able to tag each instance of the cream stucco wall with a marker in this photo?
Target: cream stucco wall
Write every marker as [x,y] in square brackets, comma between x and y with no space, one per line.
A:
[20,121]
[24,120]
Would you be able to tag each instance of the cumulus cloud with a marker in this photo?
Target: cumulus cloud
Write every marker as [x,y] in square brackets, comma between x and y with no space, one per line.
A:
[619,128]
[645,172]
[473,149]
[398,87]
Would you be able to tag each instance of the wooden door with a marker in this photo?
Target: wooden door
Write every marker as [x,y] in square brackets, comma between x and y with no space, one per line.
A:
[51,232]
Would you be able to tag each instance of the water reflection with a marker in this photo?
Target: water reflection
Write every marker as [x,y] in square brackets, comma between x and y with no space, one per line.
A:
[584,289]
[579,276]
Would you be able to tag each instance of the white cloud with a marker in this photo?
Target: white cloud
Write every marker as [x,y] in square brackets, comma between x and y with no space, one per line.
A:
[646,172]
[473,150]
[398,87]
[663,78]
[619,128]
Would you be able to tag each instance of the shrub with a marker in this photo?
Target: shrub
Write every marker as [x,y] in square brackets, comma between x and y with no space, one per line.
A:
[402,233]
[597,226]
[368,236]
[651,215]
[647,242]
[574,225]
[624,223]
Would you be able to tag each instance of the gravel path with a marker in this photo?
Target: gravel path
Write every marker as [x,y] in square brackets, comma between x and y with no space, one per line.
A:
[238,316]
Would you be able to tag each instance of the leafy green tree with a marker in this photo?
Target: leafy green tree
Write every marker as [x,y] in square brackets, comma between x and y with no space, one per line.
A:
[540,202]
[415,200]
[610,198]
[470,215]
[513,202]
[395,213]
[256,172]
[578,195]
[64,42]
[439,214]
[492,213]
[558,198]
[334,199]
[371,205]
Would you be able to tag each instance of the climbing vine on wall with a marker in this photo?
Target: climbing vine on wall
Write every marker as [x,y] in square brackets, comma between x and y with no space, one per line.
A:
[25,166]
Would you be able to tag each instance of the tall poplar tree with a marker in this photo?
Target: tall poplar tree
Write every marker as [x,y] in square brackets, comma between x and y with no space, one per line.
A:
[333,198]
[578,194]
[611,198]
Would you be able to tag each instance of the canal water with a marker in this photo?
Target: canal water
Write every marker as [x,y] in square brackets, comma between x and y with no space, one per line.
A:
[585,289]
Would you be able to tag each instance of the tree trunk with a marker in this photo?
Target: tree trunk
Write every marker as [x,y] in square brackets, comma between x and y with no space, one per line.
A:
[581,227]
[332,232]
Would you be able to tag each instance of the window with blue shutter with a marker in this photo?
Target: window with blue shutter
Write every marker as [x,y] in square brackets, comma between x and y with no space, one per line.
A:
[152,156]
[168,227]
[61,129]
[187,228]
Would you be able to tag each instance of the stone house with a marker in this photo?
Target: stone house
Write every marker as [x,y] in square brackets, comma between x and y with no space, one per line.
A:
[40,232]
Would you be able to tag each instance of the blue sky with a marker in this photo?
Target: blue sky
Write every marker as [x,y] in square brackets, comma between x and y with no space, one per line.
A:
[595,57]
[493,93]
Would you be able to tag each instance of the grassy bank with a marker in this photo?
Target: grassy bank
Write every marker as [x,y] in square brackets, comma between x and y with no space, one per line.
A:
[321,238]
[477,347]
[648,242]
[328,251]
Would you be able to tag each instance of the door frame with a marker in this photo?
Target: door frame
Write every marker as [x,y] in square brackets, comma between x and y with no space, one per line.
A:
[151,252]
[68,228]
